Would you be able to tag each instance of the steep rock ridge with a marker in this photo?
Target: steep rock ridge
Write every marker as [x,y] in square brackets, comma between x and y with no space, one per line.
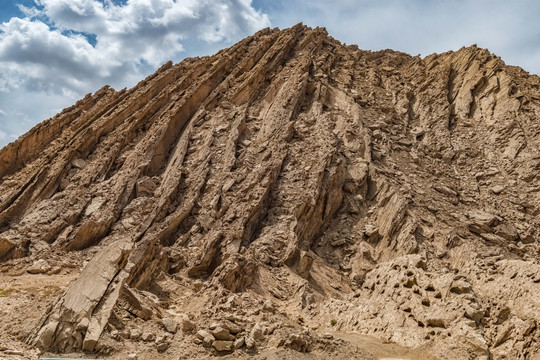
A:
[287,187]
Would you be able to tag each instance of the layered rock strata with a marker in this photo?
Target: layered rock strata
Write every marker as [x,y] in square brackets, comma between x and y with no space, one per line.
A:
[370,192]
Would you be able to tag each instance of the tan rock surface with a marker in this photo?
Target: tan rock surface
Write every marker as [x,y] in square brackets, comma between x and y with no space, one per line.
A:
[290,197]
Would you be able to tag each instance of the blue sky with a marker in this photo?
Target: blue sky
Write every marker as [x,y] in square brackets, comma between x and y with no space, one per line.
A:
[10,9]
[53,52]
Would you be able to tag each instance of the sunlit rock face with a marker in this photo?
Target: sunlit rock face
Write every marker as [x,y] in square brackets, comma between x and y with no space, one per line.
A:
[279,191]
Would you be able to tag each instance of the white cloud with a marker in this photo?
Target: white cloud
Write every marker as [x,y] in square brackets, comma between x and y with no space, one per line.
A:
[28,11]
[151,30]
[63,49]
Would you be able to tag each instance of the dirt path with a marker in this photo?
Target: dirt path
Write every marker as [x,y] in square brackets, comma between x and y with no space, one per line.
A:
[383,350]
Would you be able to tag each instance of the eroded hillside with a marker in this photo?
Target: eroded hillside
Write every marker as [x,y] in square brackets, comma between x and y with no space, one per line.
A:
[287,193]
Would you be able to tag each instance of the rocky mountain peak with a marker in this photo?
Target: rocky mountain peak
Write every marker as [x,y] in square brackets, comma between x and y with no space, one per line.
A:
[289,193]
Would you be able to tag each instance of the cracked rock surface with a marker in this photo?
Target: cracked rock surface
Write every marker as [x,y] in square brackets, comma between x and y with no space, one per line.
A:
[288,197]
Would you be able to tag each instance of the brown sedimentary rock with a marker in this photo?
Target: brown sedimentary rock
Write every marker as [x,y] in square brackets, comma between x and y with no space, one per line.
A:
[289,179]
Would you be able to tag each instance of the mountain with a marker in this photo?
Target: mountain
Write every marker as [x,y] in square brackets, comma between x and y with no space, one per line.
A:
[291,197]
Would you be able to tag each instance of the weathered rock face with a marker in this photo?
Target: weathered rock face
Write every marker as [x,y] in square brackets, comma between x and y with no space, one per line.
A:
[291,177]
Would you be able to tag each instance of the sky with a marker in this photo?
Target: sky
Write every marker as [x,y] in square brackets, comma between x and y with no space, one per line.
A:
[53,52]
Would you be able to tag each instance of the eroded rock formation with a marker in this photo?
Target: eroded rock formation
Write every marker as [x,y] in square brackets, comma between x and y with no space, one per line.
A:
[285,188]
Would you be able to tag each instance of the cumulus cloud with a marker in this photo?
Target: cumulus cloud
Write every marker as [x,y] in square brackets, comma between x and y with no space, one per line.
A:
[61,49]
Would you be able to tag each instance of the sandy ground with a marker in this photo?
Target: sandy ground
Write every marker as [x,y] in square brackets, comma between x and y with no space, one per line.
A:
[25,298]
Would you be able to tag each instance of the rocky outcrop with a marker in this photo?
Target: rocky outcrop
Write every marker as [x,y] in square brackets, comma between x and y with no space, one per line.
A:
[290,179]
